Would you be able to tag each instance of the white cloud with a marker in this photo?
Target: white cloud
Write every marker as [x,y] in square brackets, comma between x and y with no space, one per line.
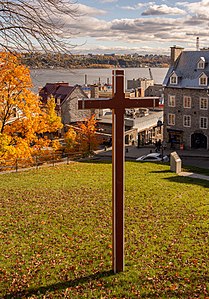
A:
[162,10]
[88,10]
[88,26]
[137,30]
[136,6]
[142,31]
[200,8]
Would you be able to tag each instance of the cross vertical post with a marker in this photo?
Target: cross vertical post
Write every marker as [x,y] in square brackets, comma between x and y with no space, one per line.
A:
[118,174]
[118,103]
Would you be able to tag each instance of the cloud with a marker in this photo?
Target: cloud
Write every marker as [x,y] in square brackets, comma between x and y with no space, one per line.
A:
[156,31]
[162,10]
[199,8]
[136,6]
[87,26]
[140,26]
[151,30]
[88,10]
[119,49]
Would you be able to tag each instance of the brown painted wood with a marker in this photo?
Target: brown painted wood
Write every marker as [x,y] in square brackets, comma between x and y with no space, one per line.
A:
[118,104]
[145,102]
[118,190]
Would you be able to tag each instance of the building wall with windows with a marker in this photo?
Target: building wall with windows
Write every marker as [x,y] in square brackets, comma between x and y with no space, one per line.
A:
[185,113]
[186,100]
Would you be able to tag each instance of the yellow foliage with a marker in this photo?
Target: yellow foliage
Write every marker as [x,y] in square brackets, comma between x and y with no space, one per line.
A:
[53,120]
[22,121]
[56,144]
[87,137]
[71,140]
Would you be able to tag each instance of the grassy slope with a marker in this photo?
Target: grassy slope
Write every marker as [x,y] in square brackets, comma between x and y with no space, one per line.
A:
[56,234]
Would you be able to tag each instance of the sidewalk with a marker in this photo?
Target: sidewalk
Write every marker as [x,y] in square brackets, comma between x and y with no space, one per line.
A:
[194,175]
[132,152]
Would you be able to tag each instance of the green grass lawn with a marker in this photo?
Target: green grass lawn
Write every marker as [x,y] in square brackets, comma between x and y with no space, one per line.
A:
[56,234]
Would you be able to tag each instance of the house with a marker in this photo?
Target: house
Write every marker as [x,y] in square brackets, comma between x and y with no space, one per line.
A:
[66,99]
[186,96]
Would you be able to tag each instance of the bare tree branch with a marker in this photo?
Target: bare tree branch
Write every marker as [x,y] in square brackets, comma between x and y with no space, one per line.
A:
[36,25]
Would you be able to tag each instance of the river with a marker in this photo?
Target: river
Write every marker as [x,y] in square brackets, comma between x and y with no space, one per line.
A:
[80,76]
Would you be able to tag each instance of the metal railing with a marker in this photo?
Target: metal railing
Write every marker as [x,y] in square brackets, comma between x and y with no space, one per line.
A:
[38,161]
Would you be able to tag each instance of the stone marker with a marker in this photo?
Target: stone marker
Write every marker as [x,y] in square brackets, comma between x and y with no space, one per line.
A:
[175,162]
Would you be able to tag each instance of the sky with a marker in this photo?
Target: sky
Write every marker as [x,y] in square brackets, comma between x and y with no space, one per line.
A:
[143,27]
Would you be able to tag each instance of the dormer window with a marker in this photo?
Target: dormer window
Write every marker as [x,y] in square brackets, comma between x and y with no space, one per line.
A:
[201,63]
[173,79]
[203,80]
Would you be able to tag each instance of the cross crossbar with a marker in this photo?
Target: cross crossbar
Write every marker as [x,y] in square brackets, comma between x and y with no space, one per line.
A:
[113,103]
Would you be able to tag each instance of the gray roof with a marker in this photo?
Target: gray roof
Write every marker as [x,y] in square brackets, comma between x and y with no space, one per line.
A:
[186,69]
[140,123]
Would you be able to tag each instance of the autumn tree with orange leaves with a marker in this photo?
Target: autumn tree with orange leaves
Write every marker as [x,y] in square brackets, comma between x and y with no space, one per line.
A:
[22,120]
[84,138]
[88,138]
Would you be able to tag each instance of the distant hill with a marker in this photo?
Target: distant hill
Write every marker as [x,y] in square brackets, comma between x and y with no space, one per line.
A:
[57,60]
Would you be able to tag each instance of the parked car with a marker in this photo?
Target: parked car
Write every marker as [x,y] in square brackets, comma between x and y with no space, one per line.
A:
[153,157]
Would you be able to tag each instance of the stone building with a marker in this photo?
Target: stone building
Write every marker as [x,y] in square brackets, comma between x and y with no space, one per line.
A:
[186,95]
[66,99]
[155,90]
[143,83]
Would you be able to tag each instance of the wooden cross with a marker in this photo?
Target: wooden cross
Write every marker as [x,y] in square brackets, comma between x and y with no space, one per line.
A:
[118,104]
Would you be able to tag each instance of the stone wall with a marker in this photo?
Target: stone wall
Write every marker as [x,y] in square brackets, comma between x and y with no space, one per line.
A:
[69,108]
[195,112]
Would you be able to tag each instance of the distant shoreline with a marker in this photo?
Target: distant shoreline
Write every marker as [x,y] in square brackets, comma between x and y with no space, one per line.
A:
[96,68]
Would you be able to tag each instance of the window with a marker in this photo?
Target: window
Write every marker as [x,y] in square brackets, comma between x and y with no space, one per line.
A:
[187,121]
[187,102]
[173,79]
[201,63]
[203,80]
[171,101]
[203,122]
[203,103]
[171,119]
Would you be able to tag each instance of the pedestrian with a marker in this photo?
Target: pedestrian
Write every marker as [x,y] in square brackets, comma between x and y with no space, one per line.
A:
[159,145]
[156,146]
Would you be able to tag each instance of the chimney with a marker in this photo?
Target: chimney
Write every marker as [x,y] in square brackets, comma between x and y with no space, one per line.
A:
[94,91]
[175,53]
[85,80]
[197,44]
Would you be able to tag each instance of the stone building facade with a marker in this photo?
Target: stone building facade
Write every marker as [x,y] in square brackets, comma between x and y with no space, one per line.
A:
[69,107]
[66,99]
[186,99]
